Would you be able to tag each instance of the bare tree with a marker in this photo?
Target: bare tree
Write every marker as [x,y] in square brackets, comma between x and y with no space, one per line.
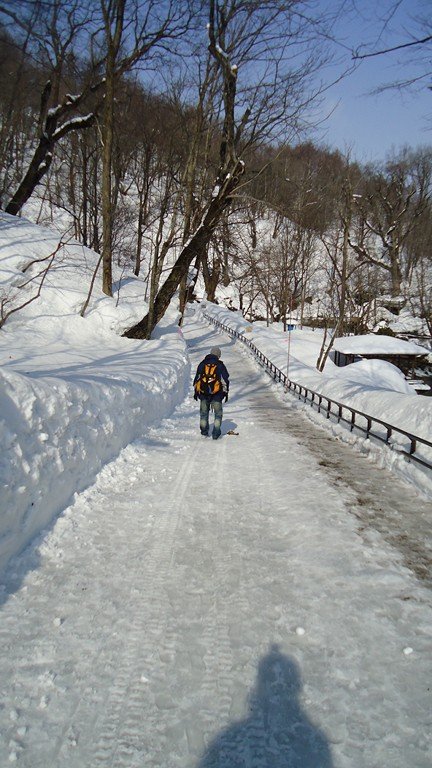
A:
[51,32]
[421,297]
[113,19]
[131,32]
[163,240]
[242,36]
[17,83]
[336,245]
[56,32]
[390,208]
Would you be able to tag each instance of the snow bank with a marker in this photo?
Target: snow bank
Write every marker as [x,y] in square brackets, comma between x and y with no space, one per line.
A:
[57,433]
[73,393]
[377,345]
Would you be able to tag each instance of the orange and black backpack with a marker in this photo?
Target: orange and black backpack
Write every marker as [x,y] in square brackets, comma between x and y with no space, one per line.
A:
[208,383]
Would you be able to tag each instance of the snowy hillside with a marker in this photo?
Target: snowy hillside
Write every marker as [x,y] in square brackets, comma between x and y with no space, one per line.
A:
[73,393]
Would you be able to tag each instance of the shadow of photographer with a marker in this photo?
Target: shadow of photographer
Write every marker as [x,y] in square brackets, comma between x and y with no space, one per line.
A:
[277,733]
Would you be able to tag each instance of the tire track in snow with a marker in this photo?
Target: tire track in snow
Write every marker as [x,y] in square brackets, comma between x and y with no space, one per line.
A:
[242,612]
[65,587]
[104,665]
[228,665]
[218,660]
[119,740]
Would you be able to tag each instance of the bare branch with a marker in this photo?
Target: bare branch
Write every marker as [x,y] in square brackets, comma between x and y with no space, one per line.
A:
[392,49]
[5,300]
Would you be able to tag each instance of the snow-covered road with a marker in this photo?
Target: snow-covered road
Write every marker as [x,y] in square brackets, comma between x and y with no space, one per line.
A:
[219,604]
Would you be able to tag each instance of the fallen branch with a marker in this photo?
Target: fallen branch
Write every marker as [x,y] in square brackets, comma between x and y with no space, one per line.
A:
[5,300]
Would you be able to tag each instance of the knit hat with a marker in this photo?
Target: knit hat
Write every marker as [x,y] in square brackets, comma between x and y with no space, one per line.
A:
[215,351]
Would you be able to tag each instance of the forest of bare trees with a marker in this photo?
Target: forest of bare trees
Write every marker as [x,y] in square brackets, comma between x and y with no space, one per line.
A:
[172,136]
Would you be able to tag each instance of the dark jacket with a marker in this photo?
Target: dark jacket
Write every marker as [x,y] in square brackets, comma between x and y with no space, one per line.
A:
[221,372]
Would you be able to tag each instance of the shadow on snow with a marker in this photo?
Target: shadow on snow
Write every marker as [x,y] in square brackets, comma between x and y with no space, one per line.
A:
[277,733]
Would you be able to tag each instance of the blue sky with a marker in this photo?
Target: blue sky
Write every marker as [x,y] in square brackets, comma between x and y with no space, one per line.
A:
[372,125]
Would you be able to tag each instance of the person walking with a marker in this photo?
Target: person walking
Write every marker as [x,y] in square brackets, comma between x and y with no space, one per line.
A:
[211,387]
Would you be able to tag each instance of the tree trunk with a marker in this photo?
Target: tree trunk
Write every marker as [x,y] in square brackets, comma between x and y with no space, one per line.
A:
[84,194]
[37,169]
[95,242]
[140,233]
[211,278]
[49,134]
[113,20]
[106,180]
[197,245]
[395,272]
[344,267]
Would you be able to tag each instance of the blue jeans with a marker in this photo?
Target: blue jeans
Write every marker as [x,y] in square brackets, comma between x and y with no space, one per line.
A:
[204,417]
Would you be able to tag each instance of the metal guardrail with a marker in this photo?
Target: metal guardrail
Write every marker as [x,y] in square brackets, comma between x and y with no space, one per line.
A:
[329,407]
